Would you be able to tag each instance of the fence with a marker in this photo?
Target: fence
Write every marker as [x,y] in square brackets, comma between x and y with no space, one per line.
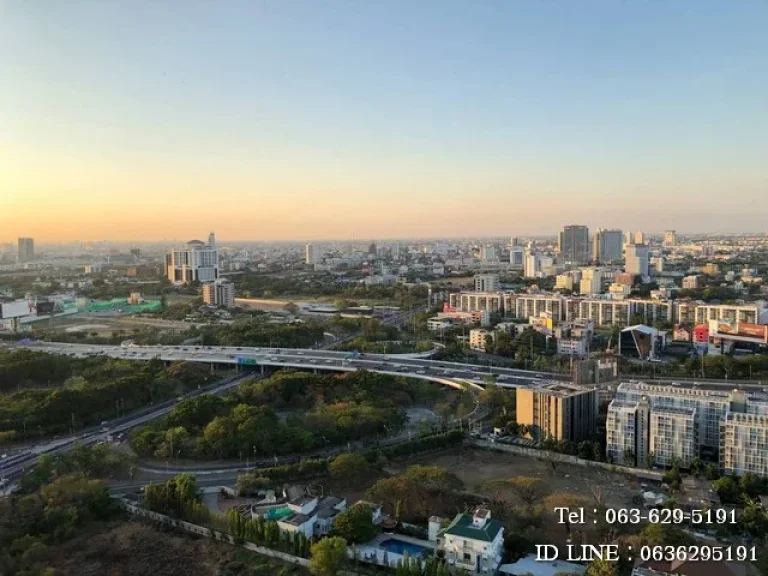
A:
[564,458]
[208,532]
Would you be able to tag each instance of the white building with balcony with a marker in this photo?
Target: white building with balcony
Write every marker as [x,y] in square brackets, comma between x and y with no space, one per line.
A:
[473,542]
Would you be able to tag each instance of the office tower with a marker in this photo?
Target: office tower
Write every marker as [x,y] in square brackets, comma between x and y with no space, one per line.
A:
[515,241]
[311,254]
[26,249]
[639,237]
[195,262]
[486,282]
[517,256]
[607,245]
[219,293]
[558,410]
[395,250]
[488,253]
[636,260]
[670,238]
[573,245]
[532,265]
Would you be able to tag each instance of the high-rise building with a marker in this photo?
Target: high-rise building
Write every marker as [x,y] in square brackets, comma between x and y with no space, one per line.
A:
[26,249]
[639,237]
[558,410]
[195,262]
[607,245]
[626,432]
[670,238]
[221,292]
[636,260]
[311,254]
[372,248]
[573,244]
[515,241]
[532,265]
[660,424]
[591,281]
[486,282]
[488,253]
[517,256]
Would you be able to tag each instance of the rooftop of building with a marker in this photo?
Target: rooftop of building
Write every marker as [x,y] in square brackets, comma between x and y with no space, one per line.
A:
[295,519]
[563,389]
[746,418]
[463,527]
[674,411]
[302,500]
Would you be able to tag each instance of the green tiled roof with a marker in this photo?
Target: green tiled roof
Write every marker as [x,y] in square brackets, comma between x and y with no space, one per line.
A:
[463,528]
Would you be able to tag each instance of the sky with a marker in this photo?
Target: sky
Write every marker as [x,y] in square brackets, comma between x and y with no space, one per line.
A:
[319,119]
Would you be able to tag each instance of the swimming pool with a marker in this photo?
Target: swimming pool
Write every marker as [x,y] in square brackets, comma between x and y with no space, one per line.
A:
[400,547]
[277,513]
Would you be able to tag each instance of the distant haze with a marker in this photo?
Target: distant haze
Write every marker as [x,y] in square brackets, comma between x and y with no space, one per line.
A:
[340,119]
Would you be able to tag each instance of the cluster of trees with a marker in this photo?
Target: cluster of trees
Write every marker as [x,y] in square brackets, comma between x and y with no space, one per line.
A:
[255,285]
[255,331]
[82,392]
[290,412]
[32,522]
[418,493]
[101,461]
[413,567]
[178,497]
[353,466]
[266,533]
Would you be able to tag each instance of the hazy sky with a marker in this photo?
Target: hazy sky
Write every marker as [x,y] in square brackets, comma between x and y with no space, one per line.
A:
[328,119]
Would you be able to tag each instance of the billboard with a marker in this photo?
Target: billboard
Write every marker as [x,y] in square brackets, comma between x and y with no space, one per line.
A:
[16,309]
[739,330]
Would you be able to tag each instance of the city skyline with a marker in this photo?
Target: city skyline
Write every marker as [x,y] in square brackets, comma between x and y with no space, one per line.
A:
[279,121]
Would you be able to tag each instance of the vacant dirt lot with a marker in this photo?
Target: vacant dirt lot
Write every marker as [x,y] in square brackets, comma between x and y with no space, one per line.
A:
[474,467]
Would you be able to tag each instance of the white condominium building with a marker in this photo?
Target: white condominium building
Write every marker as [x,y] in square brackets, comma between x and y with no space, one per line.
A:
[710,405]
[195,262]
[744,444]
[755,313]
[672,436]
[486,282]
[678,423]
[626,431]
[481,302]
[524,306]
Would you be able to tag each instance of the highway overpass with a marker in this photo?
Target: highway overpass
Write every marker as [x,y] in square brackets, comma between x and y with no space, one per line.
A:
[418,365]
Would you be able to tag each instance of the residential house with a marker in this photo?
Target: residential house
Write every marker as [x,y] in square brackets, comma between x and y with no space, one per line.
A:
[473,542]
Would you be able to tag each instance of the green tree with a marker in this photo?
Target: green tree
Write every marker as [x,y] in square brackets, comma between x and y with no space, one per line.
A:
[530,490]
[328,556]
[602,567]
[355,525]
[350,467]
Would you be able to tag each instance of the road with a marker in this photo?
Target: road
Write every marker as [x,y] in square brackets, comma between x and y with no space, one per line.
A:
[249,358]
[13,466]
